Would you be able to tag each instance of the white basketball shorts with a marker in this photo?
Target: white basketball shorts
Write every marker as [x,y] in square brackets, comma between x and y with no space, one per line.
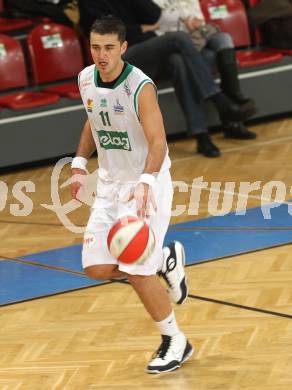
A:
[108,207]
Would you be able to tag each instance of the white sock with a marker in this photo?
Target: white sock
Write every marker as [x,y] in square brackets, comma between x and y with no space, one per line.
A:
[168,326]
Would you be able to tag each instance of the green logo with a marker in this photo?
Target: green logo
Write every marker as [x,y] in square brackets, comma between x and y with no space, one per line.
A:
[114,140]
[103,102]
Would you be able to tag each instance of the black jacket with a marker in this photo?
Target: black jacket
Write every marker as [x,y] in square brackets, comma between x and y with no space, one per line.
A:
[132,12]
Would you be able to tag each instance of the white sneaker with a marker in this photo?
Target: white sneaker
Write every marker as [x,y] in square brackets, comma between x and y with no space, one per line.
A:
[172,352]
[173,271]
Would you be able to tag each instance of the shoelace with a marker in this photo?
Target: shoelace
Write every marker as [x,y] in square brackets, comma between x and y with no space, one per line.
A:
[163,348]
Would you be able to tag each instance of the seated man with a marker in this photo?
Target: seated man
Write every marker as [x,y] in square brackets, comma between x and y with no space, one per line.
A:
[172,56]
[215,46]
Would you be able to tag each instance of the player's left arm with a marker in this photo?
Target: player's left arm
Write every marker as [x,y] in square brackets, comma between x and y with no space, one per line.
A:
[152,124]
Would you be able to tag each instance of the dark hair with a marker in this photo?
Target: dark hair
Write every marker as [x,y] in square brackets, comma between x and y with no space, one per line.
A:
[109,24]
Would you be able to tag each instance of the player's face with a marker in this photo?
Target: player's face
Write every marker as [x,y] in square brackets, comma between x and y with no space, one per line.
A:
[106,51]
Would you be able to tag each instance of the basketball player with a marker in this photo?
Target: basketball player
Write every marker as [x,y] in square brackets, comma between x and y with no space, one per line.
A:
[125,126]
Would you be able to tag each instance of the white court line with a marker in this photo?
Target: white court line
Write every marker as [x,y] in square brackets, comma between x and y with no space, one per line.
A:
[239,148]
[42,114]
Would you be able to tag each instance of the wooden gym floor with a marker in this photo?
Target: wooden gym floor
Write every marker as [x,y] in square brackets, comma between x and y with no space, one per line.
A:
[238,315]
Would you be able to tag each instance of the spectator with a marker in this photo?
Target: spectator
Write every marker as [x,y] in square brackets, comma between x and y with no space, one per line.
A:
[55,10]
[216,47]
[172,56]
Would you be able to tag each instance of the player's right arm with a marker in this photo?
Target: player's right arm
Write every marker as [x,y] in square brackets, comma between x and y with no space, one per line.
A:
[85,149]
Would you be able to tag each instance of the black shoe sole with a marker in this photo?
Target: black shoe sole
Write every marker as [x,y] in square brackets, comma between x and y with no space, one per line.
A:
[175,364]
[240,116]
[211,154]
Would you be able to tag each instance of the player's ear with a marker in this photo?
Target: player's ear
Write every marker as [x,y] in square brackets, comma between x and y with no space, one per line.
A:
[124,47]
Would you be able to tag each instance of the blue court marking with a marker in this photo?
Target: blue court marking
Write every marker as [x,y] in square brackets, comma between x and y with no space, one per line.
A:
[20,282]
[68,257]
[203,244]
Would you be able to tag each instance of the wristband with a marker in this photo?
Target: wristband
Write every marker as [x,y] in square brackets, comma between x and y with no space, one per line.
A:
[79,163]
[147,178]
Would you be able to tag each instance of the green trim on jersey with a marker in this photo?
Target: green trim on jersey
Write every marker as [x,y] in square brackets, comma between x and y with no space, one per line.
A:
[79,80]
[143,82]
[122,77]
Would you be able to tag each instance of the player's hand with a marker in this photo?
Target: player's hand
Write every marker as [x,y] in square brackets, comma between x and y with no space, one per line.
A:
[78,183]
[149,27]
[144,197]
[193,23]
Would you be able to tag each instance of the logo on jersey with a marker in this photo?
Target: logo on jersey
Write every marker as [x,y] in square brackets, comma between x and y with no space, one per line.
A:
[86,83]
[103,102]
[127,88]
[118,108]
[114,140]
[89,105]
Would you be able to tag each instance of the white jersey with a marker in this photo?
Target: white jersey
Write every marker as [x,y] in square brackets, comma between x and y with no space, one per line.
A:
[114,119]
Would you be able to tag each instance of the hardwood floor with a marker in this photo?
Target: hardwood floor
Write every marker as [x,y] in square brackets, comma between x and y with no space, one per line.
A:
[238,316]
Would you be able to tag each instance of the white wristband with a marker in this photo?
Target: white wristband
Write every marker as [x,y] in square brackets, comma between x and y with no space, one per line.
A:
[147,178]
[79,163]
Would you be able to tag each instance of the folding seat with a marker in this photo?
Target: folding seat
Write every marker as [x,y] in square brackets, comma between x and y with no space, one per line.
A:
[230,16]
[250,58]
[11,24]
[55,55]
[13,75]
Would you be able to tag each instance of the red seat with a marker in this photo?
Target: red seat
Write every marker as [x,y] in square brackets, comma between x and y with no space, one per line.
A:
[284,52]
[7,24]
[12,59]
[252,3]
[70,90]
[56,55]
[24,100]
[230,16]
[250,58]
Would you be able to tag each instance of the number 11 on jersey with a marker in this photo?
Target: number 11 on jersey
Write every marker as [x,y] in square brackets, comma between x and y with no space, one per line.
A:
[105,118]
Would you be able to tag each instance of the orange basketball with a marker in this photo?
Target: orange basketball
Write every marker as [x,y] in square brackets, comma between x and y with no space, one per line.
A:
[131,240]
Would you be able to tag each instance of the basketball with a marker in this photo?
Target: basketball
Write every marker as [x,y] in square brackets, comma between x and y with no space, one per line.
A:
[131,240]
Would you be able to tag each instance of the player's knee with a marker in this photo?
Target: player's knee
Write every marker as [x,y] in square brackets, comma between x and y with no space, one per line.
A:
[101,272]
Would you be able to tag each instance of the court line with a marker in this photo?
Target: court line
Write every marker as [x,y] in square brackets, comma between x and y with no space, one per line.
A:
[239,148]
[55,294]
[36,223]
[249,196]
[238,306]
[171,227]
[226,303]
[227,257]
[253,229]
[46,266]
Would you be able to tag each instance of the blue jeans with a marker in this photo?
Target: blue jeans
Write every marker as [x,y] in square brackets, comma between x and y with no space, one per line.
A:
[173,56]
[216,43]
